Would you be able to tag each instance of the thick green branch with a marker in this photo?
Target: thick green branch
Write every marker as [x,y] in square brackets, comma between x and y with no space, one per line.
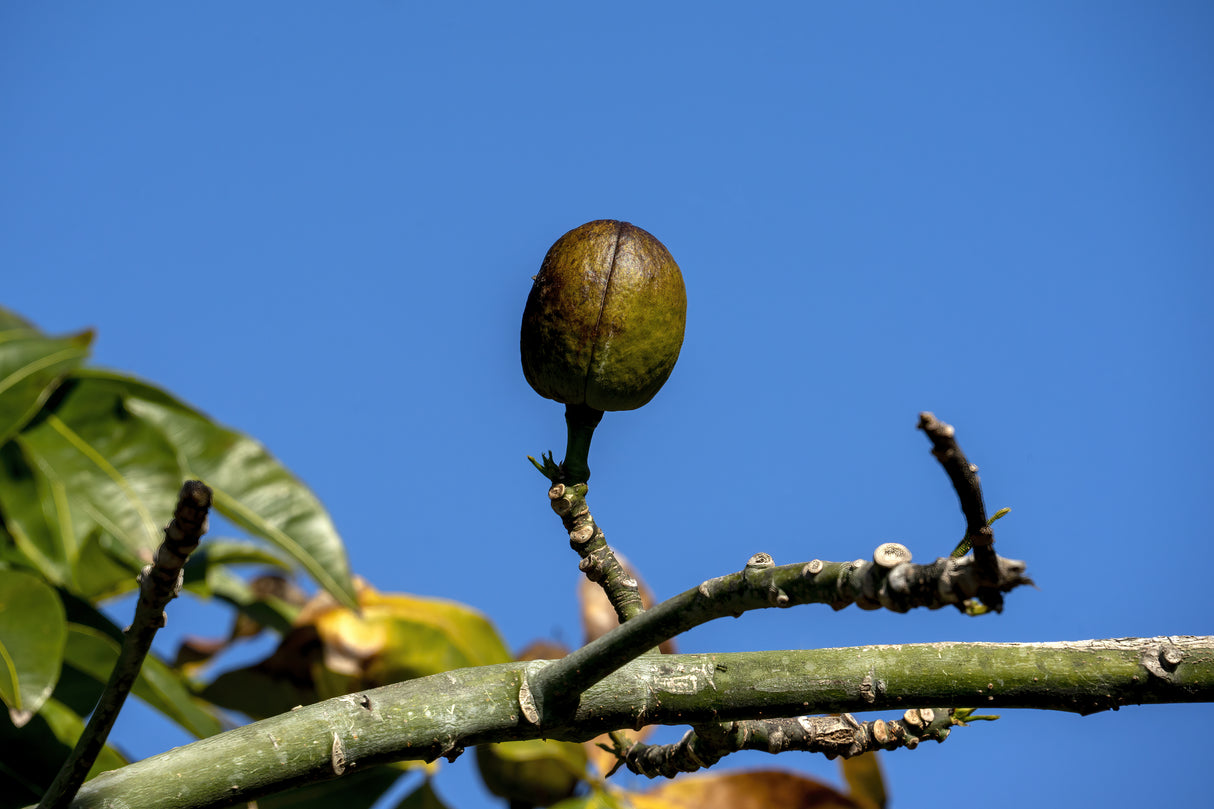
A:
[759,585]
[440,715]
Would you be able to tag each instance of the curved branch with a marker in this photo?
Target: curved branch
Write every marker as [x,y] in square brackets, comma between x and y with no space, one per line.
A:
[964,477]
[835,735]
[441,714]
[760,585]
[599,561]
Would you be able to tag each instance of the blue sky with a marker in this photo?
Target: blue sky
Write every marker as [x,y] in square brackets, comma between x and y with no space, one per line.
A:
[318,223]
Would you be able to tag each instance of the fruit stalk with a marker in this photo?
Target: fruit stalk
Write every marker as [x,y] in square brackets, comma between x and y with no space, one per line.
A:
[580,420]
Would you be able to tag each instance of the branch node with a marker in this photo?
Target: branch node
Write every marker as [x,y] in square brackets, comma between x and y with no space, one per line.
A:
[891,554]
[337,756]
[1170,657]
[760,561]
[526,700]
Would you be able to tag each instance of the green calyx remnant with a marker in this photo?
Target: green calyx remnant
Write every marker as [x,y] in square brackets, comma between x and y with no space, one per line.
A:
[580,422]
[601,330]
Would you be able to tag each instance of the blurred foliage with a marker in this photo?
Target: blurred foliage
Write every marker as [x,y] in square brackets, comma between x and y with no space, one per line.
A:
[90,465]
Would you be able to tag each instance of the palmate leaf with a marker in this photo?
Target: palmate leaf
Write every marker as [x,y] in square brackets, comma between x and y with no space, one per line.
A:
[31,366]
[33,629]
[251,488]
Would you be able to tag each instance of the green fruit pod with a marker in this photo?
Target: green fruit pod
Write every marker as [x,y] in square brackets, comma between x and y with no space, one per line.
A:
[604,321]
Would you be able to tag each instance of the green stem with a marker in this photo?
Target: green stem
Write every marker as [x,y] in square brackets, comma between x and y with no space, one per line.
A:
[581,421]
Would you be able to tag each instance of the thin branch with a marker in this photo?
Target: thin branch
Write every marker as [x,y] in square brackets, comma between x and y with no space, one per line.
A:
[599,562]
[442,714]
[964,477]
[159,583]
[836,735]
[895,585]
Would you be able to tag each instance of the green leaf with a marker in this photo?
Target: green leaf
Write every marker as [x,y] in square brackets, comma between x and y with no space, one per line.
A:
[218,581]
[210,563]
[599,798]
[10,320]
[357,790]
[94,652]
[998,515]
[36,515]
[257,692]
[424,797]
[537,772]
[222,552]
[963,716]
[69,551]
[33,630]
[963,547]
[251,488]
[33,754]
[116,473]
[93,641]
[31,366]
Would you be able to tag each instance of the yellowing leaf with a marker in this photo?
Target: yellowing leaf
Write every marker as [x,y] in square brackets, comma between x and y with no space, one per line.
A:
[397,637]
[536,772]
[332,650]
[864,779]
